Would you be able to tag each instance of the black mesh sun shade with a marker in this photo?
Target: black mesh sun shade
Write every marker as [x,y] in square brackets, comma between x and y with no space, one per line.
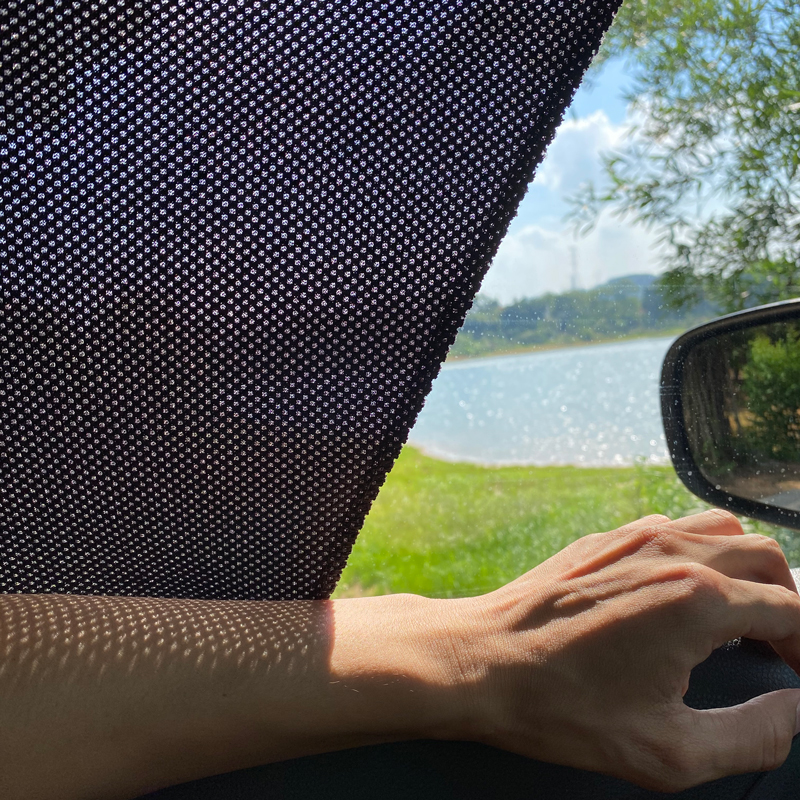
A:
[236,241]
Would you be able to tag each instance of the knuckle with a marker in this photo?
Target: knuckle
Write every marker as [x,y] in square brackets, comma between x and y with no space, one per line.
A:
[766,544]
[787,596]
[725,517]
[696,578]
[650,521]
[655,536]
[657,519]
[694,589]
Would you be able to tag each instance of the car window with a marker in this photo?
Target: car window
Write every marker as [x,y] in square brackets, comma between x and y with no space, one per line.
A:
[544,424]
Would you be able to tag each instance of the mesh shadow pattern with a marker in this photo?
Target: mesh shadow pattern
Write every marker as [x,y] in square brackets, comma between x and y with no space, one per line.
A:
[236,242]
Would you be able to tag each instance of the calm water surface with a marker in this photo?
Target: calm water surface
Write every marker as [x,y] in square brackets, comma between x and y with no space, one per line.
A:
[592,406]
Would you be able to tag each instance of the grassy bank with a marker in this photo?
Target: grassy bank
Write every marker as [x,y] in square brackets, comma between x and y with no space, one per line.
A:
[448,530]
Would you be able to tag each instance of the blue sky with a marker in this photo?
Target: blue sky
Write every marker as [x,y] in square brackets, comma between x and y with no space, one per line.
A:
[537,254]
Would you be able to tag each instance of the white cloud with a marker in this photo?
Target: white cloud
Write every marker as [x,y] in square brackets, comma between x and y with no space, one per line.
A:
[536,256]
[575,156]
[536,259]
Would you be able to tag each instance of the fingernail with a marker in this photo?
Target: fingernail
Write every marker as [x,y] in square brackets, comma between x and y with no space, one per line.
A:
[797,721]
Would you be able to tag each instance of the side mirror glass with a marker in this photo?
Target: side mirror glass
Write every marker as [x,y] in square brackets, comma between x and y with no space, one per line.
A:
[730,400]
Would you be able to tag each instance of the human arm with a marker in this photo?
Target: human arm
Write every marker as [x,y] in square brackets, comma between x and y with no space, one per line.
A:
[581,661]
[112,697]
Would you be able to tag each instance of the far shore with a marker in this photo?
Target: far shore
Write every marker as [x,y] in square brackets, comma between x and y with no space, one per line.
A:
[475,462]
[540,348]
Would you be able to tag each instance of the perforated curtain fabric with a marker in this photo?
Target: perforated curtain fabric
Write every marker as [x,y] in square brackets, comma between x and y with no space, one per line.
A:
[236,241]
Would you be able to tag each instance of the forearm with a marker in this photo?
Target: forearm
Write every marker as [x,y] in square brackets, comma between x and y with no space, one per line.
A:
[112,697]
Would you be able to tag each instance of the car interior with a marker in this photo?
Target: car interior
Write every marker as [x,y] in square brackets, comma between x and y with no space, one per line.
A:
[237,242]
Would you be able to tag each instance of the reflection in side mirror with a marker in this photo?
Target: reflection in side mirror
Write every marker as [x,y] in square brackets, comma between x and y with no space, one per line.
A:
[731,407]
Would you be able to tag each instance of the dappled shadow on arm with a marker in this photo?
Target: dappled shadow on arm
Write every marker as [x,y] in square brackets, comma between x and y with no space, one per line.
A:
[125,695]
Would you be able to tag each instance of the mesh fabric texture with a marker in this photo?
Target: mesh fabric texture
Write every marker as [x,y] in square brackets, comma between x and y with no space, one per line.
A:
[236,241]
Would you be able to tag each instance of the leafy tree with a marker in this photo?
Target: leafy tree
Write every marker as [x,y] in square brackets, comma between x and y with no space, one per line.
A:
[771,384]
[713,163]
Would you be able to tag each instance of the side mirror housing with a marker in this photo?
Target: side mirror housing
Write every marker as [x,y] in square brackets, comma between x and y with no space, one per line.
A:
[730,401]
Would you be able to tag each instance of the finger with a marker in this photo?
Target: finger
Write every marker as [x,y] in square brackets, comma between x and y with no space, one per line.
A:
[751,610]
[749,557]
[714,522]
[715,538]
[752,737]
[759,559]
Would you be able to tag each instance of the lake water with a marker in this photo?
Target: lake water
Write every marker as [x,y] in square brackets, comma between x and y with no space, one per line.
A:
[591,406]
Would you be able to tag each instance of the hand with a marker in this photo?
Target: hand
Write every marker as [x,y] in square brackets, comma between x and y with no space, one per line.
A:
[588,655]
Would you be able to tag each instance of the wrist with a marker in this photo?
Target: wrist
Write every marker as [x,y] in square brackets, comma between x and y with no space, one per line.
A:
[410,667]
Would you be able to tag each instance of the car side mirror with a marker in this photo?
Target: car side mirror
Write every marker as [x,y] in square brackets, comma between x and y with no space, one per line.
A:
[730,401]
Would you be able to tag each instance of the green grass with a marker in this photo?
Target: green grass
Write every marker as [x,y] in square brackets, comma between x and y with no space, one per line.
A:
[452,530]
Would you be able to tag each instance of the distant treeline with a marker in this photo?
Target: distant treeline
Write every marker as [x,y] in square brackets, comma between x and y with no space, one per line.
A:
[624,307]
